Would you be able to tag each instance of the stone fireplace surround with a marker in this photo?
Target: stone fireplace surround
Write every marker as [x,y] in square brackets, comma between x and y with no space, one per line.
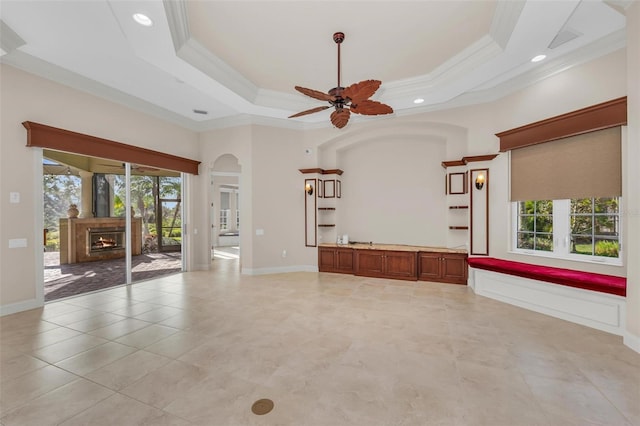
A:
[75,244]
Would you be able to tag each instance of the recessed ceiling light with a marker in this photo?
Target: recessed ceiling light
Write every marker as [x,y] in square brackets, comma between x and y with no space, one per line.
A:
[418,101]
[538,58]
[142,19]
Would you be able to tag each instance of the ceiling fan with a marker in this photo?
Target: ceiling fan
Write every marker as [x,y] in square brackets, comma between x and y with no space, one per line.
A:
[346,100]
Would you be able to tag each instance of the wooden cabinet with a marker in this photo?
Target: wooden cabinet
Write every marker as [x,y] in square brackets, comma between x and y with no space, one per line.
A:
[386,264]
[439,266]
[332,259]
[442,267]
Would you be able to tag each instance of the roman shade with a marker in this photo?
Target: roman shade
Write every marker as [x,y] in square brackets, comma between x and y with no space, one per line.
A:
[582,166]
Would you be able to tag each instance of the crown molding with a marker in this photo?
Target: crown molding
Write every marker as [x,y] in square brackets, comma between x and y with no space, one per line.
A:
[9,39]
[202,59]
[514,80]
[464,62]
[176,12]
[505,19]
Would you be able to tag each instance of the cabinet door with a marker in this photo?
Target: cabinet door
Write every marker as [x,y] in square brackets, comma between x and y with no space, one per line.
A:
[429,266]
[344,260]
[454,268]
[400,265]
[369,263]
[326,259]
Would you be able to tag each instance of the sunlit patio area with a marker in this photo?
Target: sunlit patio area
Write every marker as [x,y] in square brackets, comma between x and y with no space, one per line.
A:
[68,280]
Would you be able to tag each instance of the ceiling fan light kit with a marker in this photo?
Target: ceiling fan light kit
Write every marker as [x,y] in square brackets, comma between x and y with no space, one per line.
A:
[346,100]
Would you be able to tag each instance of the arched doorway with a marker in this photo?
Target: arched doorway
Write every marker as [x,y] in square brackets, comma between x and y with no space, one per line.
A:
[225,209]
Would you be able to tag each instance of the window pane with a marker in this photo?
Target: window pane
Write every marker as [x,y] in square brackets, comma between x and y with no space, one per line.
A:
[535,225]
[581,244]
[526,207]
[525,240]
[581,205]
[606,205]
[544,224]
[544,207]
[526,223]
[544,242]
[581,225]
[607,248]
[606,225]
[224,200]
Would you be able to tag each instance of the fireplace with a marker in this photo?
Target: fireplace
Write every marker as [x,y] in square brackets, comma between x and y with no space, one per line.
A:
[105,239]
[80,238]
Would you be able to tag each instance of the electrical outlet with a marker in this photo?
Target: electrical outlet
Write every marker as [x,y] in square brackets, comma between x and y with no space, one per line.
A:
[284,253]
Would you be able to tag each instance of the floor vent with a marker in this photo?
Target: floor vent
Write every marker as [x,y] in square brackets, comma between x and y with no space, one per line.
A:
[262,406]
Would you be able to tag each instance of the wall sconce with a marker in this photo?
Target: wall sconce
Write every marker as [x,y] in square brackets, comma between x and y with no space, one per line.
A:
[308,189]
[479,181]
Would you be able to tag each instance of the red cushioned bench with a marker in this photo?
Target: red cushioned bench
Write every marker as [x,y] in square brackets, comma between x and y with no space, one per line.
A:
[569,277]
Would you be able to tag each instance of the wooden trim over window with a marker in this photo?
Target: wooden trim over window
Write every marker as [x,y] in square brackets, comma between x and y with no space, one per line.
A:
[43,136]
[596,117]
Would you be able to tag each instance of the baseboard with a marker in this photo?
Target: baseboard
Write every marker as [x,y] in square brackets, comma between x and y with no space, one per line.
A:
[597,310]
[201,267]
[27,305]
[632,341]
[279,270]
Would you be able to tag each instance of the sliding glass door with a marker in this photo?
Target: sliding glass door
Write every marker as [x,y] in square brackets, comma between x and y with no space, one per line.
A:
[86,246]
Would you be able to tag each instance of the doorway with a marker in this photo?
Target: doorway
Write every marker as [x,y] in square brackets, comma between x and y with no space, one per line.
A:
[85,232]
[225,210]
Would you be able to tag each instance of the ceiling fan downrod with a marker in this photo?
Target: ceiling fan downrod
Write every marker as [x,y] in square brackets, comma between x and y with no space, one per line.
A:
[338,38]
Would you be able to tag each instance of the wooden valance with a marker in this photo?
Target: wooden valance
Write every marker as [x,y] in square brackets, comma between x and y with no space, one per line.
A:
[596,117]
[43,136]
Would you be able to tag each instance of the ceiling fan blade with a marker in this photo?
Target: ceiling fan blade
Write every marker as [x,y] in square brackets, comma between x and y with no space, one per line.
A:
[310,111]
[369,107]
[340,117]
[361,91]
[316,94]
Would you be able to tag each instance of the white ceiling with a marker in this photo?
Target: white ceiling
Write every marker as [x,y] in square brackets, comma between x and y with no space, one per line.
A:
[239,60]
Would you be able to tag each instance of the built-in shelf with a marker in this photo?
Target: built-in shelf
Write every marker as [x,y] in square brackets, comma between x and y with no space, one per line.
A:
[458,207]
[454,227]
[326,225]
[326,208]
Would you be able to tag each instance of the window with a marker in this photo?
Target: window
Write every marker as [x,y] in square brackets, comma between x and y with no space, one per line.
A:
[224,220]
[585,229]
[225,212]
[595,227]
[535,225]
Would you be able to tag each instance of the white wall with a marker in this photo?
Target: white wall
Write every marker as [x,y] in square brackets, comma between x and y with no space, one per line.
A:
[392,191]
[632,178]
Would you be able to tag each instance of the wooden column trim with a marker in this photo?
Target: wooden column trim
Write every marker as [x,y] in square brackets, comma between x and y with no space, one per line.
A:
[469,159]
[596,117]
[43,136]
[322,171]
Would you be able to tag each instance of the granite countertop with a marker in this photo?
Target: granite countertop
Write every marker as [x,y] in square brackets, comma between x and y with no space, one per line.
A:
[394,247]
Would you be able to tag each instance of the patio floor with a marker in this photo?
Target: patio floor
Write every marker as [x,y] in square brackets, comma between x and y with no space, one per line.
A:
[77,278]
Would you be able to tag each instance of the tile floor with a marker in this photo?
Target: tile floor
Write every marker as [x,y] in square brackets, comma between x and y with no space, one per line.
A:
[199,348]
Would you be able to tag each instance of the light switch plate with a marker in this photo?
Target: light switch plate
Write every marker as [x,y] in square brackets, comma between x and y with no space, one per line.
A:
[17,242]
